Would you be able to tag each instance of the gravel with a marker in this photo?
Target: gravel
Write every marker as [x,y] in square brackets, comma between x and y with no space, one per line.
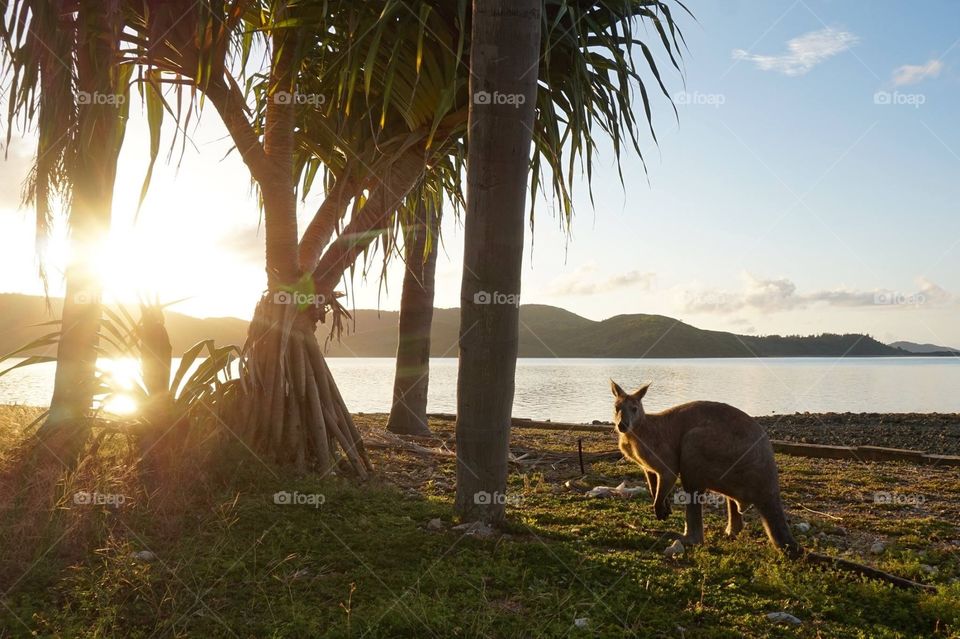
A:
[936,433]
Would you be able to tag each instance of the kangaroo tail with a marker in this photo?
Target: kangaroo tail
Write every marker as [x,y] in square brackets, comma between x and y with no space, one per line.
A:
[778,530]
[866,571]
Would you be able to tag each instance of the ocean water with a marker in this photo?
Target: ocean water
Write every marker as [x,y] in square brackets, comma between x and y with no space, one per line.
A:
[577,390]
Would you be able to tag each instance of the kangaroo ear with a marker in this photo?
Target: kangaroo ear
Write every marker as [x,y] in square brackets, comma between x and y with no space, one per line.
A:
[616,390]
[640,392]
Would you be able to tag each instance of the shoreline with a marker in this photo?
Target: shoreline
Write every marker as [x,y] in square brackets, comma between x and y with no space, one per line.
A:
[934,433]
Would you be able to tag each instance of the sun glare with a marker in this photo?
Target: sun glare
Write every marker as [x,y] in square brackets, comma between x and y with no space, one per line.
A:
[121,405]
[122,374]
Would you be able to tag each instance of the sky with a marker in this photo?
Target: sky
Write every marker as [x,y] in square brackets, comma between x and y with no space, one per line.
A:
[809,184]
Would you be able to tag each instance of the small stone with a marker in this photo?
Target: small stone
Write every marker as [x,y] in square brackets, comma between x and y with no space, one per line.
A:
[783,617]
[477,529]
[803,527]
[435,524]
[144,556]
[929,570]
[674,549]
[878,548]
[581,622]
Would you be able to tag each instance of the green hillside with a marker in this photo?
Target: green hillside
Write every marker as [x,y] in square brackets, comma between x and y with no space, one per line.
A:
[545,331]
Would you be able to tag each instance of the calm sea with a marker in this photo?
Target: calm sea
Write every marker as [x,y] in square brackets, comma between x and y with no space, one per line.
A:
[577,390]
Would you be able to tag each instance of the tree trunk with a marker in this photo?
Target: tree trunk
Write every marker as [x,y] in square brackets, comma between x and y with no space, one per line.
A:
[93,169]
[290,409]
[503,84]
[408,414]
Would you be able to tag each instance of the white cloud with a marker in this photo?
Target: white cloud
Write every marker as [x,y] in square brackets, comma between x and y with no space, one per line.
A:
[584,282]
[772,295]
[803,52]
[914,73]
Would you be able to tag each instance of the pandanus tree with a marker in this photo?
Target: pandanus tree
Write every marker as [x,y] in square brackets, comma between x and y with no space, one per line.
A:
[62,60]
[311,116]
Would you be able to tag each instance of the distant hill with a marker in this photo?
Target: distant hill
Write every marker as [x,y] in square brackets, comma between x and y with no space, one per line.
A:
[545,331]
[20,313]
[925,349]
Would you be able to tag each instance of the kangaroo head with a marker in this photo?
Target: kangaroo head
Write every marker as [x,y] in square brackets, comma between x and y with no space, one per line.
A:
[627,407]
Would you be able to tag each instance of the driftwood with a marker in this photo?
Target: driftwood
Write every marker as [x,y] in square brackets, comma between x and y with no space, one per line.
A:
[861,569]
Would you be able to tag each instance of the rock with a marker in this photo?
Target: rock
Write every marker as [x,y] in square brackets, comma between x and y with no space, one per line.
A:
[581,622]
[878,548]
[623,491]
[144,556]
[783,617]
[803,527]
[596,422]
[674,549]
[477,529]
[929,570]
[600,491]
[435,524]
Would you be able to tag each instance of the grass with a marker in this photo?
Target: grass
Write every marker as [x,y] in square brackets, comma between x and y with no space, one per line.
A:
[230,562]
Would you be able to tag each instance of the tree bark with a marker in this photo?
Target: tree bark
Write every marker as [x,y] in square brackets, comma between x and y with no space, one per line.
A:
[503,83]
[408,414]
[93,169]
[370,221]
[277,188]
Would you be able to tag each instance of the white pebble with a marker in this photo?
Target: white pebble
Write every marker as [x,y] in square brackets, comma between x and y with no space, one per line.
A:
[783,617]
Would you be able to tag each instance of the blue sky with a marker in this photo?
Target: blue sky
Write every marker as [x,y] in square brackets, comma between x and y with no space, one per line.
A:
[810,186]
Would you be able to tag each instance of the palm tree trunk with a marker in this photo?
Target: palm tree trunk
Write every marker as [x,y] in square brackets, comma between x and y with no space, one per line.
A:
[503,62]
[93,169]
[408,414]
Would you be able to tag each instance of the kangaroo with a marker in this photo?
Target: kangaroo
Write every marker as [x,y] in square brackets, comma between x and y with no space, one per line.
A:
[710,446]
[714,446]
